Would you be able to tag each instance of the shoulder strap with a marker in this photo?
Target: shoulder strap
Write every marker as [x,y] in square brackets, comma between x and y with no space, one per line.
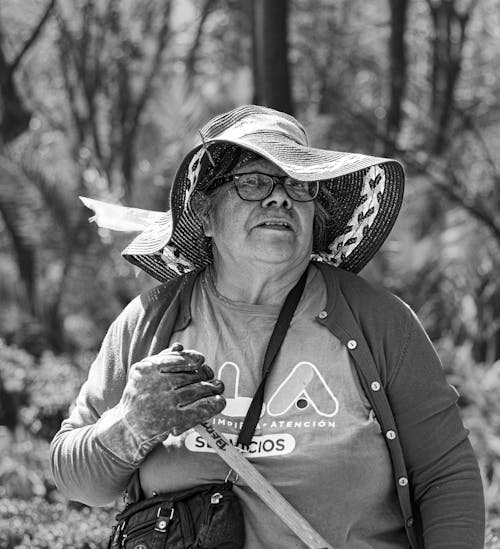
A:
[277,337]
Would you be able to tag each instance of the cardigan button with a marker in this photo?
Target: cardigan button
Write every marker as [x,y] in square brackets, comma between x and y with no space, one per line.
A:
[352,344]
[391,435]
[323,315]
[403,481]
[375,386]
[409,522]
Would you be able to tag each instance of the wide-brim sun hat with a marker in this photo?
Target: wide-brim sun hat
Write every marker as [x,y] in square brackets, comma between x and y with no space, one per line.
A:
[367,193]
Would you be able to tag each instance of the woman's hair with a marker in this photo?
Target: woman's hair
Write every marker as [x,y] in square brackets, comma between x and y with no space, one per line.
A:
[326,213]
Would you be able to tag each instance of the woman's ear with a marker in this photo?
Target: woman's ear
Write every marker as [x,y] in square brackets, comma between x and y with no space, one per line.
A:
[207,222]
[202,206]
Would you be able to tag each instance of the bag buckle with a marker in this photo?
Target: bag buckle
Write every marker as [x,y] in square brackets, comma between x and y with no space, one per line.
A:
[162,520]
[236,477]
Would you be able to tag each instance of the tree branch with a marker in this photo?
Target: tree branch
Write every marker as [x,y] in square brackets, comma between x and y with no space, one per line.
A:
[31,40]
[191,56]
[469,124]
[64,59]
[473,207]
[447,184]
[155,65]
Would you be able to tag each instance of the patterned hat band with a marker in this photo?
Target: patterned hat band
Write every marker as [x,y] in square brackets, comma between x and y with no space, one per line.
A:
[197,181]
[367,193]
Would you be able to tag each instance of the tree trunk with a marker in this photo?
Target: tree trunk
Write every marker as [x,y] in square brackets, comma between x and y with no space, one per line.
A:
[24,253]
[449,26]
[15,116]
[270,48]
[398,72]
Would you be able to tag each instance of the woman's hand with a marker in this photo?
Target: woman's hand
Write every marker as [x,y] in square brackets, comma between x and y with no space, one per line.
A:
[169,393]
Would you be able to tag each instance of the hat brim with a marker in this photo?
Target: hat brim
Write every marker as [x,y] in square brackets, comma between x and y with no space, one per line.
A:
[178,244]
[301,162]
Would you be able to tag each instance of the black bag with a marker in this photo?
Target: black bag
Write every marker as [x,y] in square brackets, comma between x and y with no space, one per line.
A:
[204,517]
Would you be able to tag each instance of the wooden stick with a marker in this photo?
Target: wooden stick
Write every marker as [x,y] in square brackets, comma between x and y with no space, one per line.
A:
[239,464]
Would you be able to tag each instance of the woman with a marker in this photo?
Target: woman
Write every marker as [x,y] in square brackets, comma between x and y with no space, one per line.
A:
[357,426]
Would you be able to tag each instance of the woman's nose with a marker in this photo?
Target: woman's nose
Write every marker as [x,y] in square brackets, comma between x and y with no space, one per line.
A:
[278,197]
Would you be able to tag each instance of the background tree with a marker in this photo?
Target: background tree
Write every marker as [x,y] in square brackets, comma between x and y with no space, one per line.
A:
[15,117]
[270,54]
[398,64]
[106,98]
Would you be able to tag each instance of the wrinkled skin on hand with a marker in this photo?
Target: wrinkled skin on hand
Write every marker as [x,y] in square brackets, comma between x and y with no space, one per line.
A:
[169,393]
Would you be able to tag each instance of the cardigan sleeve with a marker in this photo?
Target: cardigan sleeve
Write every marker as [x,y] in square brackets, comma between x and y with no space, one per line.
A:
[93,455]
[442,468]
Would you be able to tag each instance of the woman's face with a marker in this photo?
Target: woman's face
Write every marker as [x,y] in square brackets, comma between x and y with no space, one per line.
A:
[276,229]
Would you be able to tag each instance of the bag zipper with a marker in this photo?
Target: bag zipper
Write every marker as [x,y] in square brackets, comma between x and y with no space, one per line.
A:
[215,499]
[134,531]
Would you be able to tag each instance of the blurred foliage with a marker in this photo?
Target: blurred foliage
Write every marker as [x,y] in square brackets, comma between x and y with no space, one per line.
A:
[47,408]
[479,406]
[103,98]
[38,525]
[25,472]
[27,490]
[35,404]
[33,514]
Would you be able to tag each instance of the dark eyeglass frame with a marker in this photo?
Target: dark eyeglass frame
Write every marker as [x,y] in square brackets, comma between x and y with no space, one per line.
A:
[282,179]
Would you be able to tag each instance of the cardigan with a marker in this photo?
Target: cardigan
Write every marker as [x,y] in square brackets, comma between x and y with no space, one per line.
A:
[93,456]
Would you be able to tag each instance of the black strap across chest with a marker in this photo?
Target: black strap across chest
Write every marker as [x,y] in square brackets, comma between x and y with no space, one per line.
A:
[273,347]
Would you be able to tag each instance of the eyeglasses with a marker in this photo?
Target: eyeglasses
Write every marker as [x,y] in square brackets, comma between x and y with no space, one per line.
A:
[257,186]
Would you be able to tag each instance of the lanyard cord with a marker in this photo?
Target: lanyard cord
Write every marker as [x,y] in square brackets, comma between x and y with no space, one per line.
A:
[277,337]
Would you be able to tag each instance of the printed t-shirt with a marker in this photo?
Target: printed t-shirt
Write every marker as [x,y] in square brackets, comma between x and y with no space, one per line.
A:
[317,440]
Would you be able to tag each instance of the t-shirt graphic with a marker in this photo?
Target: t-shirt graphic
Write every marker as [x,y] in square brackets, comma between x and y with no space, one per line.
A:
[317,440]
[301,388]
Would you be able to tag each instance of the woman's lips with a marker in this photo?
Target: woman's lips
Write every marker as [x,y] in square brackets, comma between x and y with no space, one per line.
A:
[275,225]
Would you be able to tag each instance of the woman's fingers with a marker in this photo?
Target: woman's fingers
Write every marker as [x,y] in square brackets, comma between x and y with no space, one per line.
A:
[199,411]
[190,394]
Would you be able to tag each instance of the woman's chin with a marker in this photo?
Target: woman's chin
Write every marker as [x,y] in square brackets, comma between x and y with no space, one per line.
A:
[279,254]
